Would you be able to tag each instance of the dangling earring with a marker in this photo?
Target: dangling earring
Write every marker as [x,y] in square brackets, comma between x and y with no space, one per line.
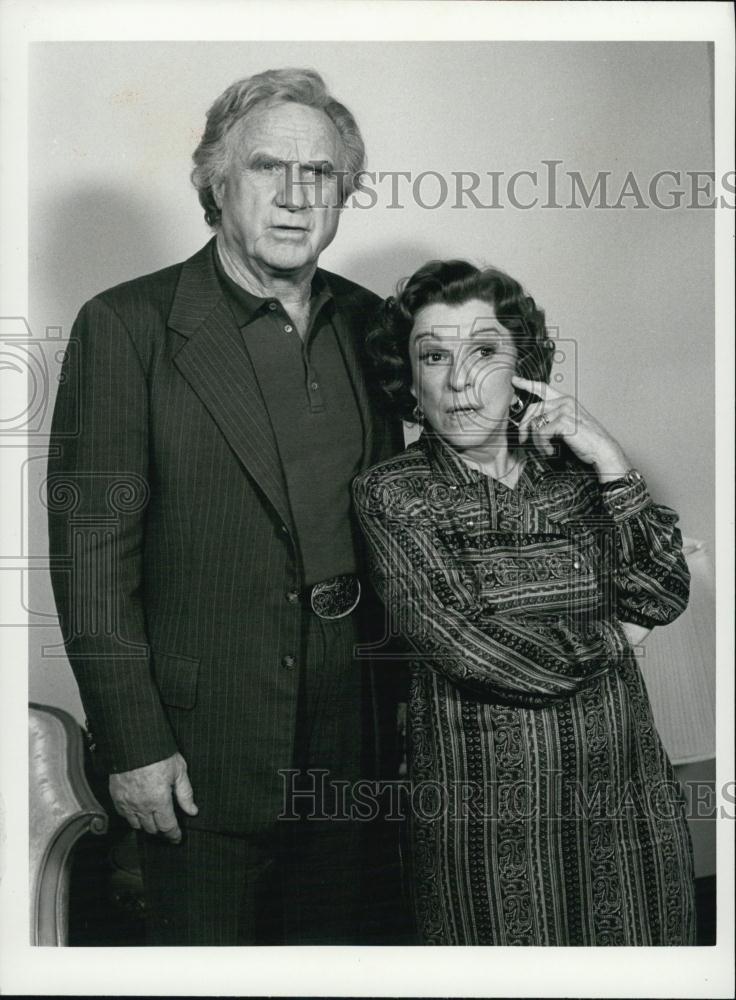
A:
[417,414]
[515,410]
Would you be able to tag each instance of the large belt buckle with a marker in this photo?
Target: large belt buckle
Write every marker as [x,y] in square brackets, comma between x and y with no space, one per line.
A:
[335,598]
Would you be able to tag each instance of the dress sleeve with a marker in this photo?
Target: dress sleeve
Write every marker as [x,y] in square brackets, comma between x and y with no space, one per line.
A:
[488,654]
[651,577]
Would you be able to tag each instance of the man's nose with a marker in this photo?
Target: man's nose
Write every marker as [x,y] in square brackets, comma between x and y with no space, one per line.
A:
[291,193]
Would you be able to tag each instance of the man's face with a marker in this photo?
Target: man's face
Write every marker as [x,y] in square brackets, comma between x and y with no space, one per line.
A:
[280,196]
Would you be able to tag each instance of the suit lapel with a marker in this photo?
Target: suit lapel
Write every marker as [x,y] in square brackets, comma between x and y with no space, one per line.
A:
[215,362]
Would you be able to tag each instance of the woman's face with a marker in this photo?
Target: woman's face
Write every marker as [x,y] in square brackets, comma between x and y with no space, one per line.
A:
[462,360]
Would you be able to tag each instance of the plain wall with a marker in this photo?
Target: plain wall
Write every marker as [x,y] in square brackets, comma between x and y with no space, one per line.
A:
[113,126]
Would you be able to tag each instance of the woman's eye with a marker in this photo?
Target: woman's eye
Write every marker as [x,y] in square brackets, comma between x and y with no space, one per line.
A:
[435,357]
[486,350]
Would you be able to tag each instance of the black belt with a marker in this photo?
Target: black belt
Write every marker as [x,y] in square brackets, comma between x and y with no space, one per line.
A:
[336,597]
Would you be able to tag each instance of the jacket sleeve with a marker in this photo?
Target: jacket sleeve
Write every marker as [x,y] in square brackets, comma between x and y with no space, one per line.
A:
[651,577]
[491,655]
[97,492]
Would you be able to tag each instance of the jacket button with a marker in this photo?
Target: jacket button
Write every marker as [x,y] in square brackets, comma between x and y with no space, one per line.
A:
[288,662]
[292,597]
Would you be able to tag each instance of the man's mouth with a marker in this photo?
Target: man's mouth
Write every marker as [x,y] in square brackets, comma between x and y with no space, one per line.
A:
[462,409]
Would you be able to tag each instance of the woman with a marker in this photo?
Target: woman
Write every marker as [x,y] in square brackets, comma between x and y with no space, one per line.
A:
[518,552]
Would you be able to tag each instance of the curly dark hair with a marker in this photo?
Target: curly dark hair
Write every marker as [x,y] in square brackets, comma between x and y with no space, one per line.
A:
[453,282]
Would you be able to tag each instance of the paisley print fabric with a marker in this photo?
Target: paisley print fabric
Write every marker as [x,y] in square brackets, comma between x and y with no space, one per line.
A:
[544,808]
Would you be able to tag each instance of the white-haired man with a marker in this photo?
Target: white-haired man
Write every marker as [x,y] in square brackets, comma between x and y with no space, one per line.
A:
[222,412]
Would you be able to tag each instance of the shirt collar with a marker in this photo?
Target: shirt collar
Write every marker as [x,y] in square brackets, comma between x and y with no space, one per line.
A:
[446,464]
[247,306]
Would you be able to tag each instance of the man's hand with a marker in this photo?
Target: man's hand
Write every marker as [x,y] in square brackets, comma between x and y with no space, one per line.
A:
[143,796]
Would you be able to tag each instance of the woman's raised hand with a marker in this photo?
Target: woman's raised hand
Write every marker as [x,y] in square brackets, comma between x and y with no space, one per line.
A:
[556,415]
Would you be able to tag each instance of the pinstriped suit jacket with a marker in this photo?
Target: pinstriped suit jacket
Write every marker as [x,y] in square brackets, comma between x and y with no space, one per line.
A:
[171,537]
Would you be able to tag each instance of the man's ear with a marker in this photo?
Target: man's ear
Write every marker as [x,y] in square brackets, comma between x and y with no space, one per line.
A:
[218,187]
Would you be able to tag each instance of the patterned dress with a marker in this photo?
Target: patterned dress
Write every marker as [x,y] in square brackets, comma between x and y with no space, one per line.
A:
[544,809]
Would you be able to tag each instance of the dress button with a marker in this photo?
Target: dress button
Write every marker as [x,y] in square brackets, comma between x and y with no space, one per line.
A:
[288,662]
[284,530]
[314,386]
[272,306]
[288,328]
[470,524]
[576,564]
[292,597]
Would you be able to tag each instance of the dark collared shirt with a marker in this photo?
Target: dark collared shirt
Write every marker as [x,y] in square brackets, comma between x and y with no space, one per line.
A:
[315,418]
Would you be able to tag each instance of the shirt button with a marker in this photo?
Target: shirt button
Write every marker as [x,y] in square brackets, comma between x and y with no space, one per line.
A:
[292,597]
[576,564]
[314,386]
[288,328]
[284,530]
[470,524]
[288,662]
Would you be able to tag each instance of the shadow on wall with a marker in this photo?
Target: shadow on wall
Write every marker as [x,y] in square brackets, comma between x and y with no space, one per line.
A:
[96,237]
[382,268]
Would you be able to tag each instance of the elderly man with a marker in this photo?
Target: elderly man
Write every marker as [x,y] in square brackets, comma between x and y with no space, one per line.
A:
[208,574]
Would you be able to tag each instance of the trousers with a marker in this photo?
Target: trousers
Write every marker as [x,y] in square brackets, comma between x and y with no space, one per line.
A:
[299,887]
[305,879]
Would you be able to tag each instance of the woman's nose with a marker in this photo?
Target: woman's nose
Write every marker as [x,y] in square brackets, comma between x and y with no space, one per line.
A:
[460,375]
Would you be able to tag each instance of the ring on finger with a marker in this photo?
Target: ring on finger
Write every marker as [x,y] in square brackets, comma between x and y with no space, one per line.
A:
[541,420]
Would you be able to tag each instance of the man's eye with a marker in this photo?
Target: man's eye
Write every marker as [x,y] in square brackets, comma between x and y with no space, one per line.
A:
[320,170]
[486,350]
[268,166]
